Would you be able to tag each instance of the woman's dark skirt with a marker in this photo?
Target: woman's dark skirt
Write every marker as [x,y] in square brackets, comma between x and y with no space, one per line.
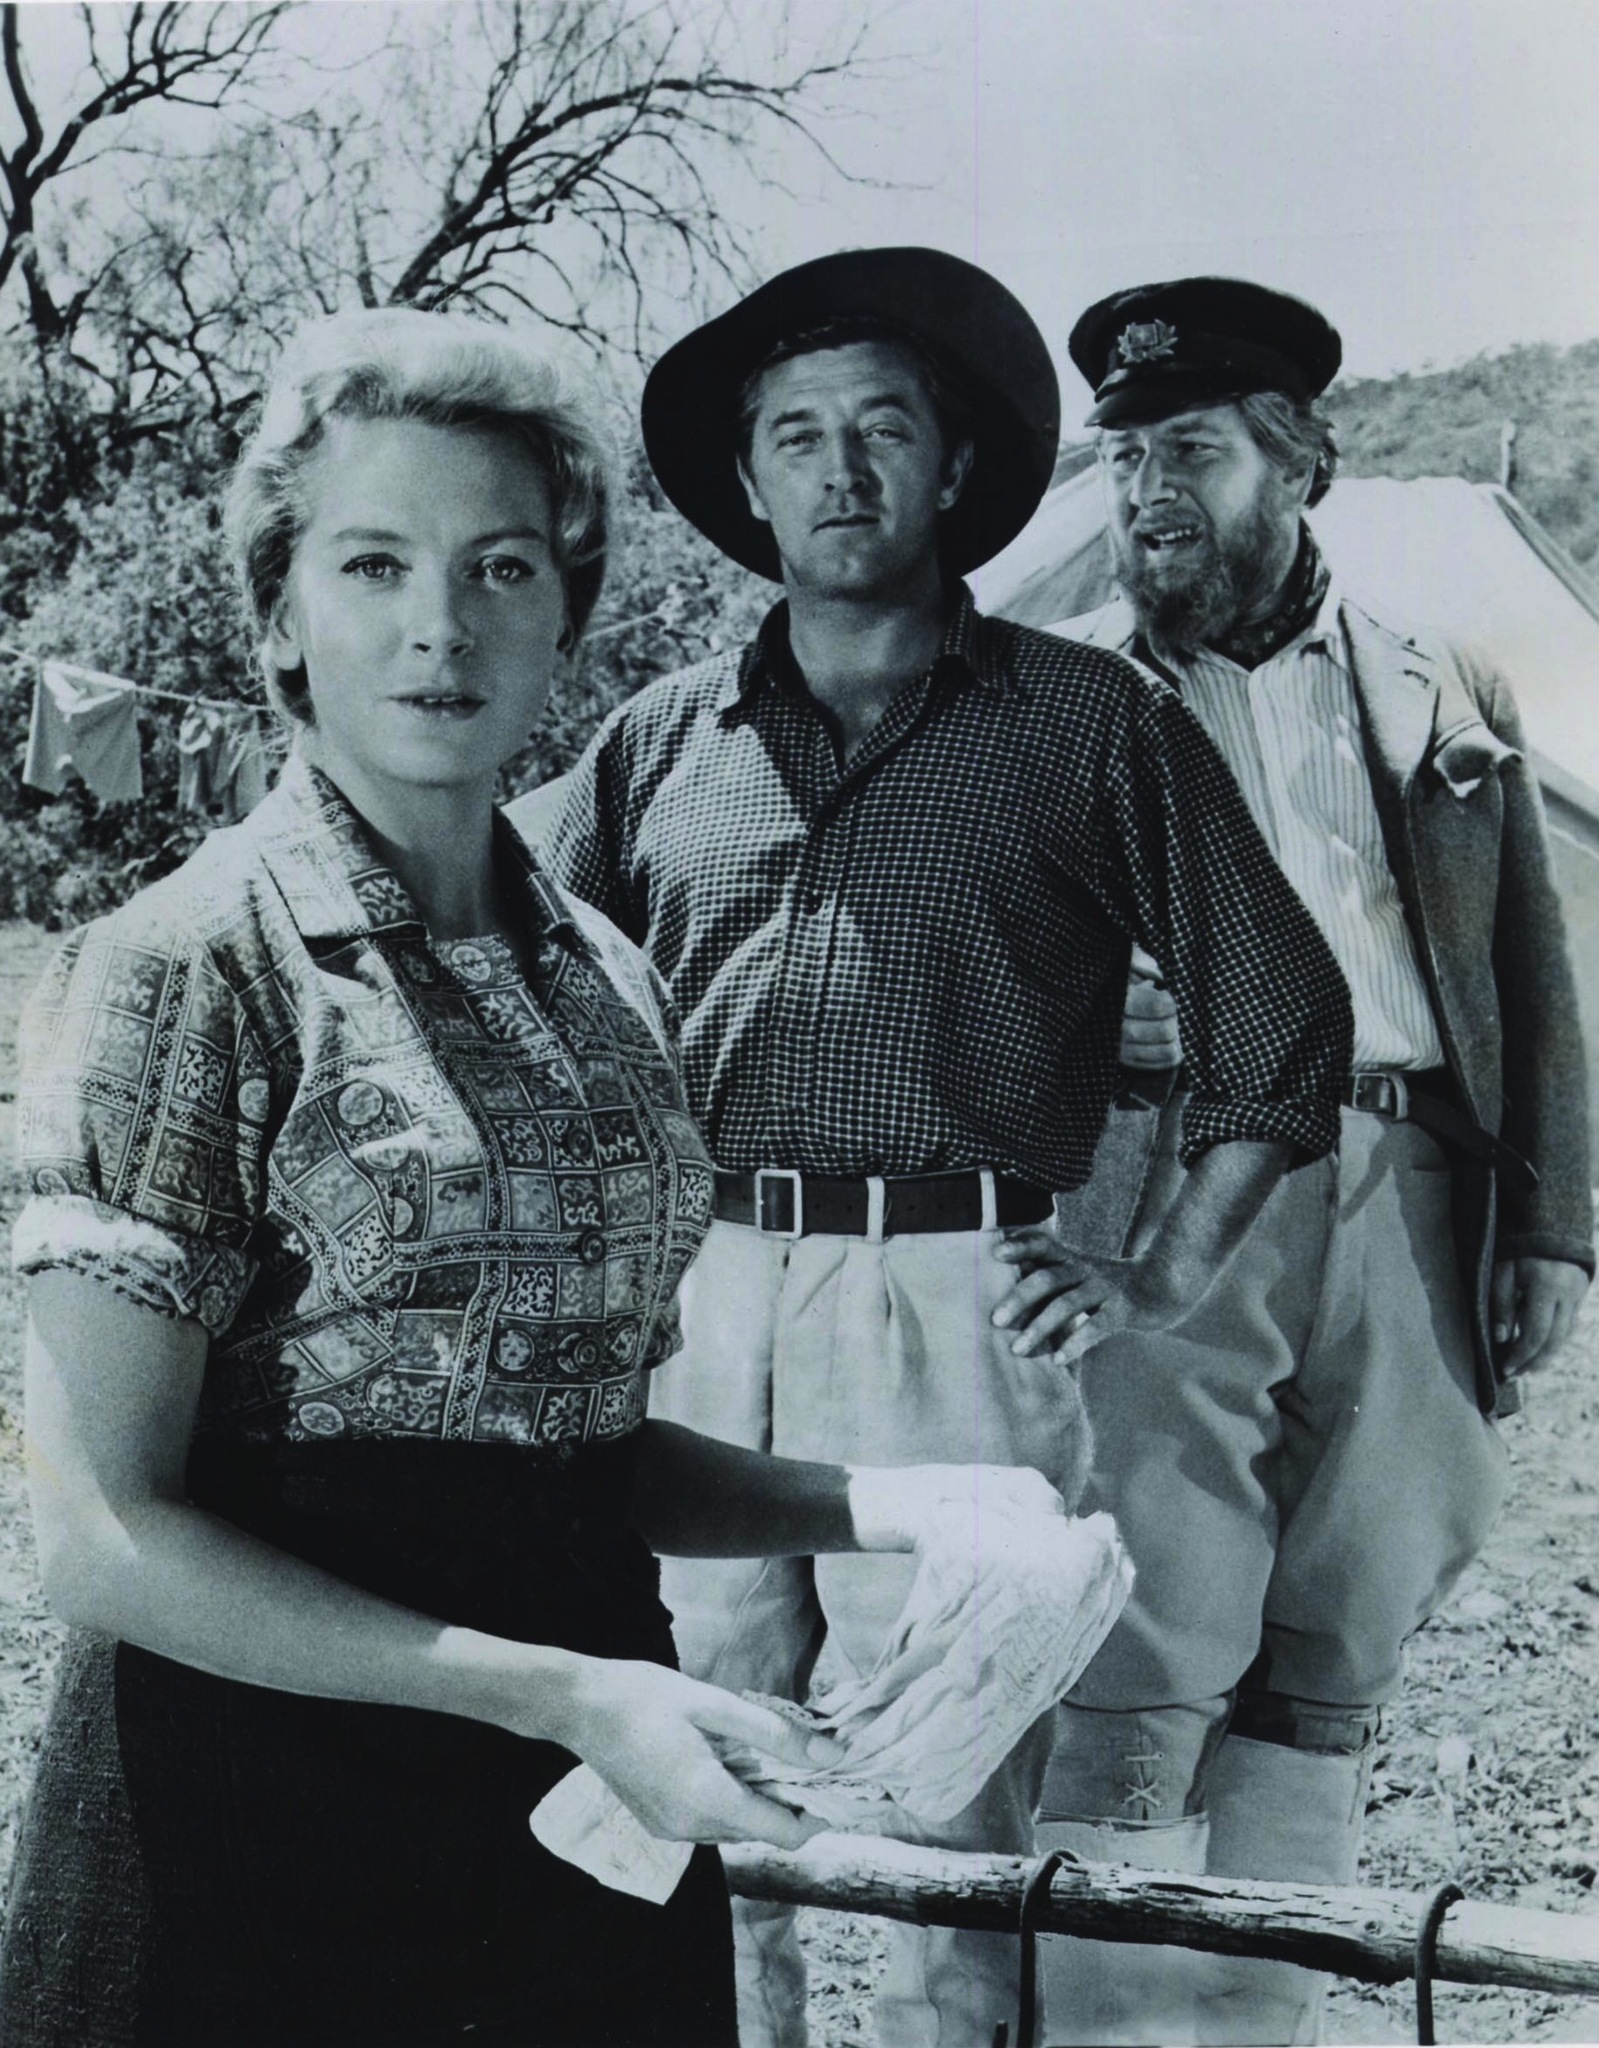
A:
[206,1864]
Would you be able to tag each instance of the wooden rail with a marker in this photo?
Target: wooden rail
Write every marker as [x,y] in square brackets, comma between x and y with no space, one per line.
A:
[1351,1932]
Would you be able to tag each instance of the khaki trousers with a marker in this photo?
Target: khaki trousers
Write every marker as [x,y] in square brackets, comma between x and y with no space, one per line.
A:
[846,1350]
[1299,1469]
[1301,1473]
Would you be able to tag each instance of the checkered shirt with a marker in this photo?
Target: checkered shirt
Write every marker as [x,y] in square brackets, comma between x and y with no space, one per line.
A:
[917,960]
[407,1192]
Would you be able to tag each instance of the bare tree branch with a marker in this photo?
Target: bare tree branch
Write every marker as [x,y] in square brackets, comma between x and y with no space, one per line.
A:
[193,56]
[566,161]
[598,121]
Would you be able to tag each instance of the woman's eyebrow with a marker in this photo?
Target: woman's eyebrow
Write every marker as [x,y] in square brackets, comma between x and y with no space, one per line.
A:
[484,540]
[375,536]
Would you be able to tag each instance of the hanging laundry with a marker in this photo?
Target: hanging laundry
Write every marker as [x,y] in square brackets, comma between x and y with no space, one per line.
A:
[222,763]
[246,766]
[201,738]
[85,721]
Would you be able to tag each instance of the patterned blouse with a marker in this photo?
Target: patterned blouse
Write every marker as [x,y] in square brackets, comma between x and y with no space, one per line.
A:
[406,1192]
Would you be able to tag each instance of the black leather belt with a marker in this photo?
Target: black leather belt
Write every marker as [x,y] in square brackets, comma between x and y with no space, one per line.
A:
[787,1204]
[1422,1099]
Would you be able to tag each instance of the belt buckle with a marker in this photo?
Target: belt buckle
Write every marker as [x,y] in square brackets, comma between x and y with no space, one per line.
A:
[1382,1094]
[779,1175]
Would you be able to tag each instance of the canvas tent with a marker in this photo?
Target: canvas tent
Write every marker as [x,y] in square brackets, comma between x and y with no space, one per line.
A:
[1436,551]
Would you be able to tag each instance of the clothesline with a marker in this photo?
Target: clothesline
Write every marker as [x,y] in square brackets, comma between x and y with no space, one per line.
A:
[261,710]
[623,625]
[26,654]
[87,723]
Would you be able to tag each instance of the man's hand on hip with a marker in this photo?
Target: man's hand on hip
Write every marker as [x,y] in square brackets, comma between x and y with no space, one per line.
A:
[1067,1301]
[1535,1302]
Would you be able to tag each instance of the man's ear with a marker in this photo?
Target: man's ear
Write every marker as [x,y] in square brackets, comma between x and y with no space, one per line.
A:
[757,509]
[957,468]
[1298,482]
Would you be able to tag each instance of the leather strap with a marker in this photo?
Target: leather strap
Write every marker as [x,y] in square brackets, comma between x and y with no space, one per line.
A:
[1426,1959]
[787,1204]
[1035,1897]
[1419,1099]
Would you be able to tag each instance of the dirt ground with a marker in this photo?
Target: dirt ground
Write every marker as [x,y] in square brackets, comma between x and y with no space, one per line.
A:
[1489,1772]
[1489,1768]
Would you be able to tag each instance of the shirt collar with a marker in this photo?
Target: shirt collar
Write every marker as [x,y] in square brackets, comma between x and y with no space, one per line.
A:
[967,653]
[335,884]
[1325,633]
[552,915]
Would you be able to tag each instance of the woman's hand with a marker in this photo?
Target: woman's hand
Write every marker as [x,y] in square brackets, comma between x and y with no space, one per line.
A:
[126,1554]
[893,1506]
[658,1738]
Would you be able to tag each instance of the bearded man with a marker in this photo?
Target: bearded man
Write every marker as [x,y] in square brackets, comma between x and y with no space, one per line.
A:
[1304,1465]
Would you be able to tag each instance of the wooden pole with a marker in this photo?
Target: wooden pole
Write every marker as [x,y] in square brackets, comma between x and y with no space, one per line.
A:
[1507,456]
[1351,1932]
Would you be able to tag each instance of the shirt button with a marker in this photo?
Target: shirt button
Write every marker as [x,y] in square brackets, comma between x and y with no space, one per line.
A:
[591,1247]
[814,899]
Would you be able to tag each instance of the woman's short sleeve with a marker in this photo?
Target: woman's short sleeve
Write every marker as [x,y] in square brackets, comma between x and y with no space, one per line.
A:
[141,1122]
[665,1339]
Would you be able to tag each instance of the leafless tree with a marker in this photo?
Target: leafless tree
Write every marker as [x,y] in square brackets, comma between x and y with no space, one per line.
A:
[598,133]
[561,159]
[173,55]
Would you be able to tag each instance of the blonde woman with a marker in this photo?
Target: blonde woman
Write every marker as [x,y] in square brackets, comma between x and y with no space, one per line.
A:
[361,1185]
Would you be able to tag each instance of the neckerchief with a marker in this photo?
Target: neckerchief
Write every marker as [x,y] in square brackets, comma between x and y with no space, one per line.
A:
[1297,606]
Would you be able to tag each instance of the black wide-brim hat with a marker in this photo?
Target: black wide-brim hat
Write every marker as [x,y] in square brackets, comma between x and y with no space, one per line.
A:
[966,319]
[1161,348]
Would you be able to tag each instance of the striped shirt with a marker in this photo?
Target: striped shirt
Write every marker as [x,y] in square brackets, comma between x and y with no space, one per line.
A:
[1290,732]
[915,960]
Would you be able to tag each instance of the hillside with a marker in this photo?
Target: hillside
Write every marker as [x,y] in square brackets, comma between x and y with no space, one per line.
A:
[1448,423]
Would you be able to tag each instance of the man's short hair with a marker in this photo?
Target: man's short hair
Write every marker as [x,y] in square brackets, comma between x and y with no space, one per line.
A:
[1290,432]
[954,410]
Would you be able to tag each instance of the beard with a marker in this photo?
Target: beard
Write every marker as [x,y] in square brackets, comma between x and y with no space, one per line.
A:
[1197,601]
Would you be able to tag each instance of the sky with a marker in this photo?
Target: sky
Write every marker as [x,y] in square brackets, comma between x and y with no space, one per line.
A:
[1427,171]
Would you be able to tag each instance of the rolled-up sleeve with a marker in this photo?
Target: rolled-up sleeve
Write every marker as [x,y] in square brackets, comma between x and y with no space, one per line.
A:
[1264,1012]
[141,1120]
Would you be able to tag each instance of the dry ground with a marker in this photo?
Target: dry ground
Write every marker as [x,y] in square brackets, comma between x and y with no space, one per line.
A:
[1490,1768]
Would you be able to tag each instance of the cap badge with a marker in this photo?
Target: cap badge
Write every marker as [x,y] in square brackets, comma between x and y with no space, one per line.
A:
[1146,341]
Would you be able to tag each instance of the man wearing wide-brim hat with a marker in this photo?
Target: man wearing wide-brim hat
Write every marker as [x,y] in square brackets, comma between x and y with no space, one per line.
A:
[1304,1469]
[890,858]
